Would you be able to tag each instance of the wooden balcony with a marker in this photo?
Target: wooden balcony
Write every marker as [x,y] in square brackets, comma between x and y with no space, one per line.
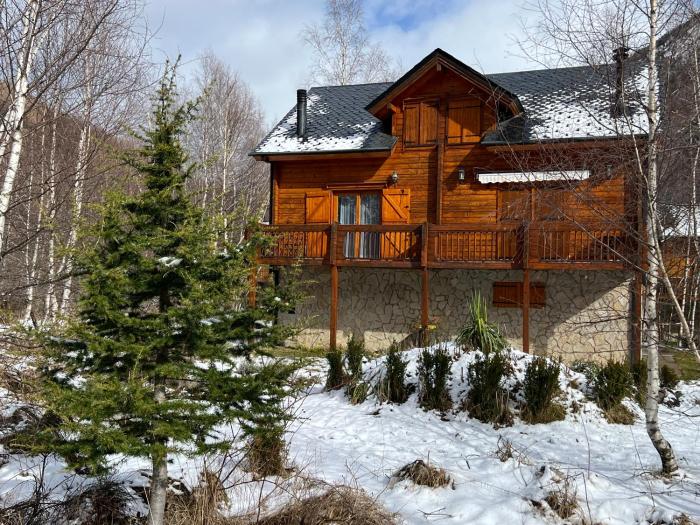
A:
[539,245]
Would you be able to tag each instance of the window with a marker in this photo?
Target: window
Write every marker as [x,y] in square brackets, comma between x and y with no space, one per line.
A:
[464,121]
[513,205]
[420,122]
[510,295]
[360,208]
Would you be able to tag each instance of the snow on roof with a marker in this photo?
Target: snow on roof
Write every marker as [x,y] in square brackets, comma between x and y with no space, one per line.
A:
[336,121]
[532,176]
[559,104]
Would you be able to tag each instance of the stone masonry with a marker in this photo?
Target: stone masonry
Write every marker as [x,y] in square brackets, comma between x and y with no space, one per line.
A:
[586,314]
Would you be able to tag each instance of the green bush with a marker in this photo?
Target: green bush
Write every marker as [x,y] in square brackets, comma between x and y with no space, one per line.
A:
[336,373]
[393,385]
[487,400]
[358,392]
[668,379]
[612,383]
[639,378]
[479,333]
[434,368]
[541,386]
[587,368]
[354,354]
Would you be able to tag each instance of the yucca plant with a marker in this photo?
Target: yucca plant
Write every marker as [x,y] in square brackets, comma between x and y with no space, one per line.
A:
[479,333]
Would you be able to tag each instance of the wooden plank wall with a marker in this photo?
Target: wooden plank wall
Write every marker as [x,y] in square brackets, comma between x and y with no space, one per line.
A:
[461,203]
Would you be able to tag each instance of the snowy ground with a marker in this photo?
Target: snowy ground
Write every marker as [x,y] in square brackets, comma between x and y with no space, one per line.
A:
[611,467]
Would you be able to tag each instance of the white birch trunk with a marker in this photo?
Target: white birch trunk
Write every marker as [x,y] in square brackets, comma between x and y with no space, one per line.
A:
[653,258]
[13,125]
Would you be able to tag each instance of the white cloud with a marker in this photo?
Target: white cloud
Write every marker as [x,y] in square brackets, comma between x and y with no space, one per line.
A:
[260,38]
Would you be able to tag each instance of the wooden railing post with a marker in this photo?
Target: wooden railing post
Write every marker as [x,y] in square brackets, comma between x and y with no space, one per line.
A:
[425,285]
[526,290]
[334,287]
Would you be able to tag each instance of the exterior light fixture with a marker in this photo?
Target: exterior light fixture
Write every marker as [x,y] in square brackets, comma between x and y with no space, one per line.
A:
[461,175]
[394,179]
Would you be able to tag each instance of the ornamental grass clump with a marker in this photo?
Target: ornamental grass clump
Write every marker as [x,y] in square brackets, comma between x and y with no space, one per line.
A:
[487,399]
[541,386]
[479,333]
[392,387]
[434,369]
[357,390]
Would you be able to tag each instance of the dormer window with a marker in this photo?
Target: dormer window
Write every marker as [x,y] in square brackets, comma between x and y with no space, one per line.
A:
[464,121]
[420,125]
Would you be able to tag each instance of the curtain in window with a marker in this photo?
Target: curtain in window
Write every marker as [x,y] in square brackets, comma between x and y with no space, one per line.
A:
[369,214]
[347,212]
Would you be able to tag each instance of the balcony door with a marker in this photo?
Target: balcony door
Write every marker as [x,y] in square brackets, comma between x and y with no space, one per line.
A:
[360,208]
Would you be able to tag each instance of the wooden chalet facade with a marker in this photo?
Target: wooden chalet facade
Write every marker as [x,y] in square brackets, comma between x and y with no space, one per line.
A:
[399,200]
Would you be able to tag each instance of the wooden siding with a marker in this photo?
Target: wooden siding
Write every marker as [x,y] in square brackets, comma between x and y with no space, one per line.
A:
[429,173]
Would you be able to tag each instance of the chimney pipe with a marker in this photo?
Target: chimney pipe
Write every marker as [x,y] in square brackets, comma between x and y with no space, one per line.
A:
[301,113]
[619,56]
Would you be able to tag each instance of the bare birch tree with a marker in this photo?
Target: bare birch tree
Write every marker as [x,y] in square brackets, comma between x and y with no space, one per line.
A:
[230,124]
[343,52]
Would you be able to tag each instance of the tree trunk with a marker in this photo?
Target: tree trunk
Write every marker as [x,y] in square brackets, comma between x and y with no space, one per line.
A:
[159,478]
[653,254]
[15,115]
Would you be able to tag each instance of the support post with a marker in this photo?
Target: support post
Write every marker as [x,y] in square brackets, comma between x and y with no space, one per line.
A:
[334,288]
[425,286]
[526,290]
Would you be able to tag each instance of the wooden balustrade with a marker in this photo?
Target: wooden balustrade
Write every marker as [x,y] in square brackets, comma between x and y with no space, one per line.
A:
[550,245]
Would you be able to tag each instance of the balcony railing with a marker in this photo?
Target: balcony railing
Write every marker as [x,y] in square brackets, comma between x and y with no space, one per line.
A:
[549,245]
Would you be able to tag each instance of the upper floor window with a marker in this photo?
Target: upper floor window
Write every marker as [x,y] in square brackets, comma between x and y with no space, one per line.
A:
[420,124]
[463,121]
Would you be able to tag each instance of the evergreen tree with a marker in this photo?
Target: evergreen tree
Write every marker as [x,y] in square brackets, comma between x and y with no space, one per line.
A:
[152,362]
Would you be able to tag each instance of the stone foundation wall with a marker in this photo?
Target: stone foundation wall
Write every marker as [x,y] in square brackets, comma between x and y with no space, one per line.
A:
[586,313]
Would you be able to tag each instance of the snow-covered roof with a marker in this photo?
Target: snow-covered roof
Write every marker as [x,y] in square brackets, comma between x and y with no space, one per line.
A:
[532,176]
[570,103]
[336,121]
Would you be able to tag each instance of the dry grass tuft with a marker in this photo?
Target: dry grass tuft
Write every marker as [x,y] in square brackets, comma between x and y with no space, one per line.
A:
[553,412]
[338,506]
[421,473]
[620,415]
[200,507]
[104,502]
[563,500]
[266,455]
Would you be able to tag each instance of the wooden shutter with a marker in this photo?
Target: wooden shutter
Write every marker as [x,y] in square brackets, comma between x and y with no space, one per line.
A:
[510,295]
[463,121]
[318,207]
[410,124]
[428,122]
[396,206]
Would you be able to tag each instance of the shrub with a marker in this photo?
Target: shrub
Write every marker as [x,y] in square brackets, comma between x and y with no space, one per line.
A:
[587,368]
[358,392]
[393,385]
[479,333]
[434,369]
[619,414]
[336,373]
[612,383]
[354,354]
[541,387]
[668,378]
[487,401]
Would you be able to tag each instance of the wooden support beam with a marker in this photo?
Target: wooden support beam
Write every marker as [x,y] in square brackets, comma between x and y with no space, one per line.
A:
[425,286]
[334,287]
[334,308]
[526,291]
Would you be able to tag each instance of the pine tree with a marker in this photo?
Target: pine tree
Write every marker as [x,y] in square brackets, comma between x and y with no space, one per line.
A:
[151,364]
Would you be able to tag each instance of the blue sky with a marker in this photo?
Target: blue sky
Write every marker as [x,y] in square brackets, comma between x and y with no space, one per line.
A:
[260,38]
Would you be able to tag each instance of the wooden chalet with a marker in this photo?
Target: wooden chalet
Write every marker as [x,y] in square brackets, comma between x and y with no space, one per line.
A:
[400,200]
